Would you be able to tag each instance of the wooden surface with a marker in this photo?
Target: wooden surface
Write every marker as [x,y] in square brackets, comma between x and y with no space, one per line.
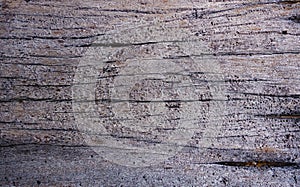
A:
[235,75]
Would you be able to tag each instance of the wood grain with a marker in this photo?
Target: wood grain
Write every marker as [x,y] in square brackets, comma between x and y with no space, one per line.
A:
[255,44]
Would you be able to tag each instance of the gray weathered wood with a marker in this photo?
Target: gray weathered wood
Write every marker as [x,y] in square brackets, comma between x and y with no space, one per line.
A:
[253,141]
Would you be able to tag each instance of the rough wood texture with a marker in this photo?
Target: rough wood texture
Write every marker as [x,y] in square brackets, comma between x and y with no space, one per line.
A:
[229,67]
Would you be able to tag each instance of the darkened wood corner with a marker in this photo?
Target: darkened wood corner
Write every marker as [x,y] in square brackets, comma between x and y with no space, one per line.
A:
[223,76]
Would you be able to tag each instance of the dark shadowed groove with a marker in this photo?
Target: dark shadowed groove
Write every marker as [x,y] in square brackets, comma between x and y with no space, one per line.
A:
[50,37]
[40,129]
[295,96]
[29,99]
[40,56]
[58,57]
[290,2]
[43,86]
[260,164]
[295,18]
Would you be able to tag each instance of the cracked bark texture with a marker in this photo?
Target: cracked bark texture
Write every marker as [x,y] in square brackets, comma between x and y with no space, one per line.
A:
[255,42]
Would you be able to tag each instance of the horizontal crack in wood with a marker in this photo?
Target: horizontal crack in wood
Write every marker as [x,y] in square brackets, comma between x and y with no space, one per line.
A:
[289,2]
[259,164]
[295,18]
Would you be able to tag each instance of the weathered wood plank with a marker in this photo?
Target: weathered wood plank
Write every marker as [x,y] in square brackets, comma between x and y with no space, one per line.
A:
[231,68]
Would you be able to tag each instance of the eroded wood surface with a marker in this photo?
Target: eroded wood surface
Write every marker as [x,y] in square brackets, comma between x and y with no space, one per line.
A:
[255,44]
